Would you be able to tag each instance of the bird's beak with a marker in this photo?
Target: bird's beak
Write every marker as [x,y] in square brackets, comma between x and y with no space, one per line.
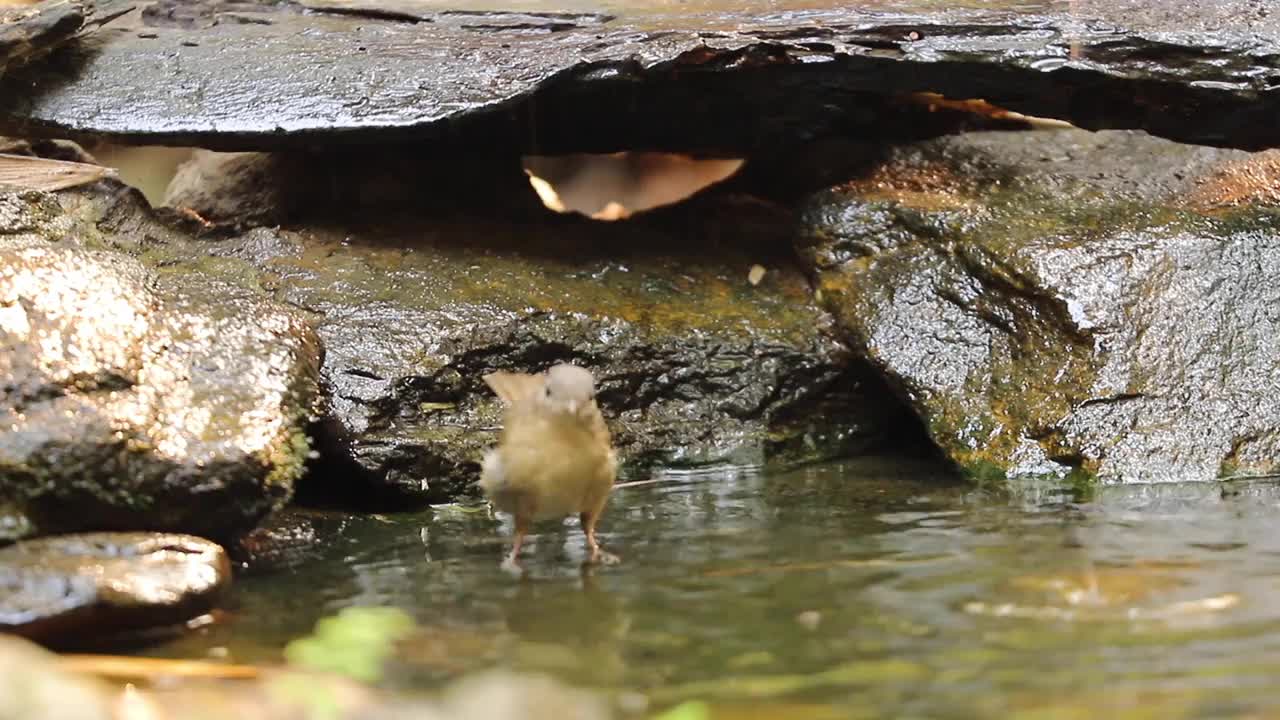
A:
[573,407]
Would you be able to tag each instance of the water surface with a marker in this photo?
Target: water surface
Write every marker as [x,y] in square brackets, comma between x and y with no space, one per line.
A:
[873,588]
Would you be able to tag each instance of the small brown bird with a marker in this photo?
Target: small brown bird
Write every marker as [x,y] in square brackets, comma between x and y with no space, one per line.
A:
[554,457]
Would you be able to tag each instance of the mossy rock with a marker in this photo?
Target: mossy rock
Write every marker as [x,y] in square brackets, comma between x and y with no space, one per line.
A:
[1066,302]
[696,365]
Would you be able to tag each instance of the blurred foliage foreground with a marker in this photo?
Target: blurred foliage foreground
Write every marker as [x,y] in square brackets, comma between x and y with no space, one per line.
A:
[332,674]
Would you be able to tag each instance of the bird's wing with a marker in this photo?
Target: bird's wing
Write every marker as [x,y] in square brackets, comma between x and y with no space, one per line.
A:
[599,430]
[511,388]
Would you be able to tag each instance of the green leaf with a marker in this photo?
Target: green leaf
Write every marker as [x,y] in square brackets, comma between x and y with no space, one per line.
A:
[691,710]
[354,643]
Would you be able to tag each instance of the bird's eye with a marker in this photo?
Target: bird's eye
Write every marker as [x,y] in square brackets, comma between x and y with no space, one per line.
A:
[547,392]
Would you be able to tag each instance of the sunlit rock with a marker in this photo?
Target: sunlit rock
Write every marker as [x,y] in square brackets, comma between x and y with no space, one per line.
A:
[73,588]
[291,694]
[131,400]
[512,696]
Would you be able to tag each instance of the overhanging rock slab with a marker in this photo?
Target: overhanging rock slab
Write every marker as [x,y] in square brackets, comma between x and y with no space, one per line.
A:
[728,77]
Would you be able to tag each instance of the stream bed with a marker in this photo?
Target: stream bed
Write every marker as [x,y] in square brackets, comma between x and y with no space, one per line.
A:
[880,587]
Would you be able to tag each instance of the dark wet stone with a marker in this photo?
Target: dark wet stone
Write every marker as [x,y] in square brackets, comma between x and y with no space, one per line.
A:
[695,365]
[732,77]
[26,33]
[50,149]
[241,188]
[71,588]
[137,399]
[1058,301]
[287,539]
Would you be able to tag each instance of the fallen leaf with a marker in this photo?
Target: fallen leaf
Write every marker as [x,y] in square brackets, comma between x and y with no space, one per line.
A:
[33,173]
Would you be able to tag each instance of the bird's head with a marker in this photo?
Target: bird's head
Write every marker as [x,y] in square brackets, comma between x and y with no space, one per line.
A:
[568,389]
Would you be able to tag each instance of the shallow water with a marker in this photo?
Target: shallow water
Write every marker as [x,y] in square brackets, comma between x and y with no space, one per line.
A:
[874,588]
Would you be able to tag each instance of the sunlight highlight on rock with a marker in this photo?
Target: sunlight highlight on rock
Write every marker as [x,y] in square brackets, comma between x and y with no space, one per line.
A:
[142,382]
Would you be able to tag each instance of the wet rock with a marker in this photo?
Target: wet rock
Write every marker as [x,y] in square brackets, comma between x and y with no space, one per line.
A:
[287,539]
[695,364]
[27,33]
[252,75]
[71,588]
[249,188]
[135,399]
[51,149]
[34,687]
[1051,302]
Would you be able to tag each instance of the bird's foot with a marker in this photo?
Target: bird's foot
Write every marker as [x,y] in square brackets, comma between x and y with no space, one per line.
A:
[601,557]
[511,566]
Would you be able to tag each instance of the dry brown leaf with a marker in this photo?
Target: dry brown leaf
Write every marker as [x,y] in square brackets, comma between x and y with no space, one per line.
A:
[33,173]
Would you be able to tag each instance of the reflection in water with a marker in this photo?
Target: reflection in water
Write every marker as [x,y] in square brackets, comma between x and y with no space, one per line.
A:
[871,589]
[578,628]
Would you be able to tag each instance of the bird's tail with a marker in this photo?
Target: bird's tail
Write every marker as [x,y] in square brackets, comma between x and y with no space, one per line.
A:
[513,387]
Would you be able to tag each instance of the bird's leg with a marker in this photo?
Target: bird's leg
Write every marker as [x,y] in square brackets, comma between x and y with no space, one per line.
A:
[588,520]
[589,528]
[512,561]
